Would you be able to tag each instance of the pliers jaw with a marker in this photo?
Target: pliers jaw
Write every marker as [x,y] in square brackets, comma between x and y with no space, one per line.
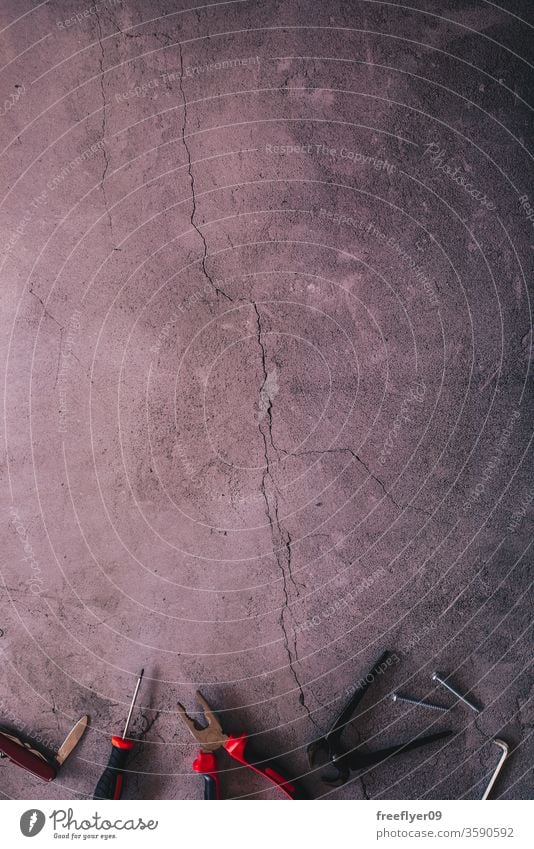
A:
[328,751]
[339,761]
[322,753]
[211,736]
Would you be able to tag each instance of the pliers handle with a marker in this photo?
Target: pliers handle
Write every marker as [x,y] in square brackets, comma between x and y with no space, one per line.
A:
[206,764]
[239,749]
[212,737]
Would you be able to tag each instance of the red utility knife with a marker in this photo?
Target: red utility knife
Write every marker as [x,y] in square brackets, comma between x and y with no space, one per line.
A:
[25,756]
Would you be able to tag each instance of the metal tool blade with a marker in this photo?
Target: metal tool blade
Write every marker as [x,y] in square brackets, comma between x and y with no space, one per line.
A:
[211,736]
[73,737]
[134,699]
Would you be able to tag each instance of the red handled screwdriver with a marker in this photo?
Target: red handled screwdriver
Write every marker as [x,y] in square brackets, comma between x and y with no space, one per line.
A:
[111,780]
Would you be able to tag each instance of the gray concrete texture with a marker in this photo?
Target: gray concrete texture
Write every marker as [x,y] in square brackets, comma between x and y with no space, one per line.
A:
[267,340]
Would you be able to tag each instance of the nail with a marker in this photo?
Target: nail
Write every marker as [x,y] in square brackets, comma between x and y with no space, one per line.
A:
[436,677]
[399,697]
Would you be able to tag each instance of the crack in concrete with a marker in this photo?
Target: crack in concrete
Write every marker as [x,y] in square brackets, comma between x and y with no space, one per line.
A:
[484,734]
[192,182]
[522,705]
[366,794]
[121,31]
[265,384]
[104,121]
[280,536]
[61,330]
[386,492]
[149,724]
[45,311]
[59,356]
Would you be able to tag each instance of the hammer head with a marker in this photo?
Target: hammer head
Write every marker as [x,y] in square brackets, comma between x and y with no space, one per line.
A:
[211,736]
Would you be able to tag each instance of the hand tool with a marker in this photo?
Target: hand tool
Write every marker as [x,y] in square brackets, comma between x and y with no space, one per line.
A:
[340,762]
[505,750]
[439,678]
[26,756]
[112,779]
[212,737]
[400,697]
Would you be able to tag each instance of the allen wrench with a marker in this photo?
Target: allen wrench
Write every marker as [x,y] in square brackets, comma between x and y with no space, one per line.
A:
[505,751]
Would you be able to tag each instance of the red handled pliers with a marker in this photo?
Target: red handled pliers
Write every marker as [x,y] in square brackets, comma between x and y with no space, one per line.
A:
[212,737]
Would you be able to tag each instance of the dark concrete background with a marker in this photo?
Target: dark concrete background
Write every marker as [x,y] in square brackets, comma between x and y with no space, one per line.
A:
[267,407]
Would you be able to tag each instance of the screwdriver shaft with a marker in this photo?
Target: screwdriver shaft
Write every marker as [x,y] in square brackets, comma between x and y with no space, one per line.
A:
[125,734]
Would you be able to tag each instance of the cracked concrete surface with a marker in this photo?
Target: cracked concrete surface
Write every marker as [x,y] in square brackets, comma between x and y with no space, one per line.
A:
[281,538]
[192,180]
[267,344]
